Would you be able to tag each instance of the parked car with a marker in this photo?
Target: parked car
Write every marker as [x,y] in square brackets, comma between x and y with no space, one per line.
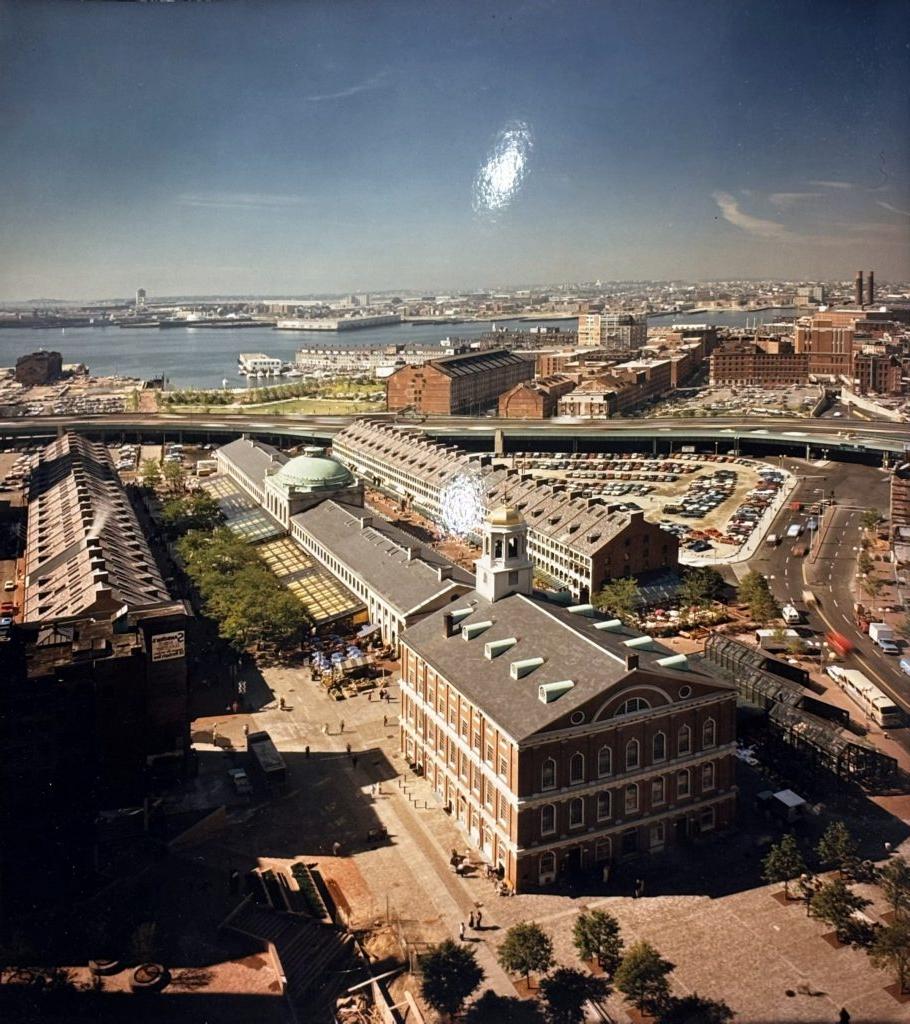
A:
[241,781]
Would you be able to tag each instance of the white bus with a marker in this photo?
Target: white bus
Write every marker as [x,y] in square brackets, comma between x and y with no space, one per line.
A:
[869,698]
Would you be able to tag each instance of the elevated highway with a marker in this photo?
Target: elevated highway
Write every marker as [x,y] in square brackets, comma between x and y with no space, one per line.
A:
[848,438]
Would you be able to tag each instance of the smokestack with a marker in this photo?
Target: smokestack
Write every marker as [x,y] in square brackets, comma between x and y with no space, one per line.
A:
[871,287]
[631,661]
[858,296]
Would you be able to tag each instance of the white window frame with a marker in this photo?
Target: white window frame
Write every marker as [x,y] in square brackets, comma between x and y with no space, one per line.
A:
[663,757]
[573,760]
[547,831]
[606,748]
[573,803]
[604,794]
[636,746]
[684,773]
[705,742]
[630,789]
[544,788]
[684,730]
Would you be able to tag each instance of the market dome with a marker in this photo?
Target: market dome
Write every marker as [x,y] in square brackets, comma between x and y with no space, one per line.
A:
[312,473]
[505,515]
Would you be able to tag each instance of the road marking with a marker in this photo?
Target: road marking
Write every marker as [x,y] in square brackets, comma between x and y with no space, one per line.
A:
[835,602]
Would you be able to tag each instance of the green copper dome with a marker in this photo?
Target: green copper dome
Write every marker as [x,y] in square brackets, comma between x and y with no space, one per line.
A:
[306,472]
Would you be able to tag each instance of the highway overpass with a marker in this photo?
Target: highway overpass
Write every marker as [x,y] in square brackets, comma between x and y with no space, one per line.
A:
[812,438]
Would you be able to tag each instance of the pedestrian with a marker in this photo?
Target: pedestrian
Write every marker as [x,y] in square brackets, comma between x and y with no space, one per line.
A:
[246,729]
[341,726]
[336,848]
[641,887]
[471,920]
[478,919]
[354,761]
[635,893]
[306,750]
[384,722]
[843,1017]
[348,748]
[461,931]
[325,729]
[370,696]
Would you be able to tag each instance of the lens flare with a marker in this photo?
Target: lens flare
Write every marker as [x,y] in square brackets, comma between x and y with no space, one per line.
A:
[462,503]
[503,172]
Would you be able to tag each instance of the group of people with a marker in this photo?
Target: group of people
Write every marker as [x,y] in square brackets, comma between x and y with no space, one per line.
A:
[475,922]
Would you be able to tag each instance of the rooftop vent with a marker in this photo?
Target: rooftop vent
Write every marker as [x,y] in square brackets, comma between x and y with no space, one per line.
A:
[475,629]
[518,669]
[548,692]
[638,642]
[582,609]
[496,647]
[679,661]
[610,625]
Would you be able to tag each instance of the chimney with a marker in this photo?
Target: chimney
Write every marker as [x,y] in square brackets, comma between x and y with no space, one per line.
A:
[870,287]
[412,552]
[631,661]
[858,285]
[448,624]
[443,572]
[366,521]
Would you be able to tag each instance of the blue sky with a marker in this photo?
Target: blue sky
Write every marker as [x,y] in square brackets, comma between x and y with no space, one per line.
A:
[290,147]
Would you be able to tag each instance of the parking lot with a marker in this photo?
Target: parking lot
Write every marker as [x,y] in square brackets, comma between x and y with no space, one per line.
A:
[724,400]
[712,503]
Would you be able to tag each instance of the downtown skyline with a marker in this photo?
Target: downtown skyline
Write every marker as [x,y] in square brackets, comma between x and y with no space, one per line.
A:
[280,148]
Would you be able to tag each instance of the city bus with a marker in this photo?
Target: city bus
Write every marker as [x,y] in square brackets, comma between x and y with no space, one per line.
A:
[869,698]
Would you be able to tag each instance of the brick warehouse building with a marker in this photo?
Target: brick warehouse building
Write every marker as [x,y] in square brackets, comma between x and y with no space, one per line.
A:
[93,682]
[457,385]
[535,399]
[558,741]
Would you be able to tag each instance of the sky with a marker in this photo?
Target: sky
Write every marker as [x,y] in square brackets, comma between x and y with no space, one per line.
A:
[289,148]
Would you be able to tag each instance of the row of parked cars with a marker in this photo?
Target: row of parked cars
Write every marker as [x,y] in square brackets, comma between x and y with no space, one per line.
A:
[704,495]
[755,504]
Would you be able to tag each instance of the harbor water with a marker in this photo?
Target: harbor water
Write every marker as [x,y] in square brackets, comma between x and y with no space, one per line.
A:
[204,357]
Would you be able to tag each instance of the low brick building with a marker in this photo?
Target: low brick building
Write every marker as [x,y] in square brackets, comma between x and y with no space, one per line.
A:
[535,399]
[877,372]
[39,368]
[561,742]
[745,363]
[463,384]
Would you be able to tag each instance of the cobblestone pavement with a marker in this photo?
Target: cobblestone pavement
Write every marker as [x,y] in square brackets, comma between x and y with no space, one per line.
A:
[770,962]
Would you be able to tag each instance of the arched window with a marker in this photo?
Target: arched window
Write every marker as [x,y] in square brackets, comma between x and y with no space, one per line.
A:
[709,733]
[548,774]
[683,787]
[548,864]
[632,705]
[547,819]
[632,755]
[604,805]
[577,768]
[576,812]
[658,792]
[604,761]
[684,741]
[631,800]
[707,776]
[659,747]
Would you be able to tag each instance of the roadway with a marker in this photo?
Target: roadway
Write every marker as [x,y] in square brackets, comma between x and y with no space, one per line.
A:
[849,436]
[829,570]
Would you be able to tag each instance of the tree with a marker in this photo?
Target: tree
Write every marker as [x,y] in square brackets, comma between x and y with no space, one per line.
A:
[873,586]
[495,1009]
[449,974]
[526,948]
[870,519]
[783,863]
[837,848]
[174,477]
[619,597]
[755,593]
[696,1009]
[197,511]
[890,950]
[894,878]
[150,473]
[836,903]
[864,563]
[596,937]
[566,991]
[700,586]
[642,977]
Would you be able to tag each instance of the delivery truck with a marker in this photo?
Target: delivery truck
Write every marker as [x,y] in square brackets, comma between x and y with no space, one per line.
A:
[791,615]
[265,759]
[882,635]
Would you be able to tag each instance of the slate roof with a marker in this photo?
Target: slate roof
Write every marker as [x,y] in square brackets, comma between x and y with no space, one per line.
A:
[253,458]
[379,554]
[477,362]
[572,649]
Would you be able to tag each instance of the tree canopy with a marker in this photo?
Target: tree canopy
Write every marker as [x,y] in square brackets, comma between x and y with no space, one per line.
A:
[449,974]
[837,847]
[642,977]
[620,597]
[894,878]
[149,473]
[197,511]
[596,937]
[836,903]
[565,993]
[755,593]
[784,862]
[495,1009]
[526,948]
[695,1009]
[700,586]
[890,950]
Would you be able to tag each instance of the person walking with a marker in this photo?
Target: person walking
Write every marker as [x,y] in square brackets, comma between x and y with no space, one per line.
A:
[306,751]
[336,848]
[341,726]
[478,919]
[354,761]
[325,729]
[385,720]
[348,748]
[246,730]
[471,920]
[461,931]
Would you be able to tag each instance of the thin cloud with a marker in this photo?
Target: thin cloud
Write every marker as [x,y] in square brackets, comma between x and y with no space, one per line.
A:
[240,200]
[831,184]
[731,213]
[786,200]
[352,90]
[893,209]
